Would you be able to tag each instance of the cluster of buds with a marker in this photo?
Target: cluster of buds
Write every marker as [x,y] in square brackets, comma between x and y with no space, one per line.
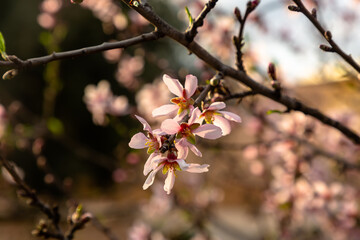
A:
[79,218]
[169,145]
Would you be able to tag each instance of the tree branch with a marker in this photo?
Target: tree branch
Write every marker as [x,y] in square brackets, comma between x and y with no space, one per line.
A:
[27,192]
[192,31]
[326,34]
[18,63]
[291,103]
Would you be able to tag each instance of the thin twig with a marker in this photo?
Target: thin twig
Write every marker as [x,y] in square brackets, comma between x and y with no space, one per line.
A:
[51,213]
[291,103]
[199,21]
[327,35]
[239,40]
[18,63]
[240,96]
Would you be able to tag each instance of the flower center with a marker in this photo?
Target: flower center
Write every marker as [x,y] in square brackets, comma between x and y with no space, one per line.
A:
[183,103]
[152,143]
[208,116]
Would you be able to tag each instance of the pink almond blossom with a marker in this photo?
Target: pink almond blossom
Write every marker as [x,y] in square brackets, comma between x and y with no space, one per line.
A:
[186,132]
[212,115]
[169,164]
[183,103]
[151,141]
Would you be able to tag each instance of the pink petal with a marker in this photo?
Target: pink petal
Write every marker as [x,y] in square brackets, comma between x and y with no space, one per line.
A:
[182,164]
[231,116]
[191,84]
[222,123]
[138,141]
[194,116]
[150,179]
[192,167]
[174,85]
[170,126]
[197,168]
[182,148]
[208,131]
[150,163]
[216,106]
[169,181]
[167,109]
[144,123]
[195,150]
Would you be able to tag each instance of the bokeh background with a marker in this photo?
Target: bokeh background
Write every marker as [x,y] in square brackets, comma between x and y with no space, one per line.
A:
[274,177]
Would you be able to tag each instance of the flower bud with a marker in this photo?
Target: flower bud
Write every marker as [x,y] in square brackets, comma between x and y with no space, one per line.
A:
[10,74]
[328,35]
[272,71]
[326,48]
[238,14]
[134,3]
[314,12]
[251,5]
[294,8]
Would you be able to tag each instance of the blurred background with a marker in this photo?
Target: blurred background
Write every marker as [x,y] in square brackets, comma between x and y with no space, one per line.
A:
[67,124]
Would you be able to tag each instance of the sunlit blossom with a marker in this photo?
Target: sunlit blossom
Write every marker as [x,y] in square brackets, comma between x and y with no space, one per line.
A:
[183,103]
[169,164]
[213,115]
[185,132]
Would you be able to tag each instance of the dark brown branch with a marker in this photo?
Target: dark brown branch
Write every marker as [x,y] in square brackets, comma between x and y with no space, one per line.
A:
[27,192]
[291,103]
[327,35]
[240,96]
[18,63]
[199,21]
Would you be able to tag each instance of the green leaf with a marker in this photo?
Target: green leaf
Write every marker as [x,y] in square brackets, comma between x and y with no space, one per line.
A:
[191,20]
[274,111]
[55,126]
[2,47]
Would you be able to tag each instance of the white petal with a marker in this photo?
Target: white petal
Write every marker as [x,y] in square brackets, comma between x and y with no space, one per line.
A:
[150,179]
[174,85]
[197,168]
[208,131]
[222,123]
[231,116]
[217,106]
[182,148]
[144,123]
[167,109]
[138,141]
[195,150]
[194,116]
[169,181]
[182,164]
[170,126]
[191,84]
[149,164]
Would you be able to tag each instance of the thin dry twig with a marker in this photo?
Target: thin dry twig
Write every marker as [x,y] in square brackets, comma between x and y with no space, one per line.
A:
[199,21]
[18,63]
[326,34]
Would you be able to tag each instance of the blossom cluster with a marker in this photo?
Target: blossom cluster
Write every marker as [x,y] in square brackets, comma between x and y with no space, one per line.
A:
[169,145]
[101,101]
